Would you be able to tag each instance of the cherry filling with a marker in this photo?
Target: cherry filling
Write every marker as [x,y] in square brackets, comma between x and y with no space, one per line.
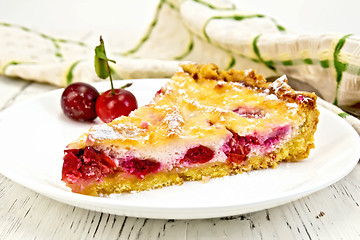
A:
[198,154]
[237,148]
[139,167]
[249,112]
[71,166]
[276,135]
[86,164]
[159,92]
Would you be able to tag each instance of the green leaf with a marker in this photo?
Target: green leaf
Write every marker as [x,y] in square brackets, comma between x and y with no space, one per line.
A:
[102,68]
[343,114]
[100,53]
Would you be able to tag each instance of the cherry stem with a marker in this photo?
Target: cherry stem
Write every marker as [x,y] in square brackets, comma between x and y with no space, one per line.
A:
[126,85]
[111,81]
[108,68]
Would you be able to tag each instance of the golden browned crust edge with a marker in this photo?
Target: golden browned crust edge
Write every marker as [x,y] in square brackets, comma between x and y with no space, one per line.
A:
[250,79]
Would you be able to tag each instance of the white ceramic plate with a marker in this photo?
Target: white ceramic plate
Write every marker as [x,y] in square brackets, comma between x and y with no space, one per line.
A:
[34,134]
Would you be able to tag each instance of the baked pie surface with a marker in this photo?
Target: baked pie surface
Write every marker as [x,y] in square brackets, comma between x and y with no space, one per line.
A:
[203,123]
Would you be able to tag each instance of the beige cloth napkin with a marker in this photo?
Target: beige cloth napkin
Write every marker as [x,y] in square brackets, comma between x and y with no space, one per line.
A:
[200,31]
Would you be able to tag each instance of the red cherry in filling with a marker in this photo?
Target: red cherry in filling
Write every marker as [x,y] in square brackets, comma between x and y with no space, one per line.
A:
[110,106]
[86,163]
[70,169]
[78,101]
[140,167]
[199,154]
[239,147]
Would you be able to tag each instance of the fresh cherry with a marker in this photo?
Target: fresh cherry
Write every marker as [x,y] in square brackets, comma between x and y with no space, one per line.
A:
[110,106]
[114,102]
[78,101]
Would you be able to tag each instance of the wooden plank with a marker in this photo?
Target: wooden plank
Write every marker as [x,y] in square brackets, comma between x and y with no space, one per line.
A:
[26,215]
[9,89]
[13,90]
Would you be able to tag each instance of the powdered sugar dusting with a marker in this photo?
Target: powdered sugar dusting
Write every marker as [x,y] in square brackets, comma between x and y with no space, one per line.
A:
[102,132]
[129,131]
[246,72]
[208,109]
[272,97]
[280,84]
[293,107]
[175,121]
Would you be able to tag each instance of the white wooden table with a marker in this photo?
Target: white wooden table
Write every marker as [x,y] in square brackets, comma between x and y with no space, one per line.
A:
[332,213]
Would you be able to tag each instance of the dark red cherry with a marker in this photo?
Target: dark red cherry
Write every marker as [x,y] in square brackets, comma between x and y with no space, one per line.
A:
[198,154]
[110,106]
[239,147]
[140,167]
[78,101]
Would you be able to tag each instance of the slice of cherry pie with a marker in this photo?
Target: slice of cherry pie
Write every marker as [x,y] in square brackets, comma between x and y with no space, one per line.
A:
[204,123]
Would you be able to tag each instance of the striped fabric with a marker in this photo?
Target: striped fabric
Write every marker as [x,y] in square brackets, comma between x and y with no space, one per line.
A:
[200,31]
